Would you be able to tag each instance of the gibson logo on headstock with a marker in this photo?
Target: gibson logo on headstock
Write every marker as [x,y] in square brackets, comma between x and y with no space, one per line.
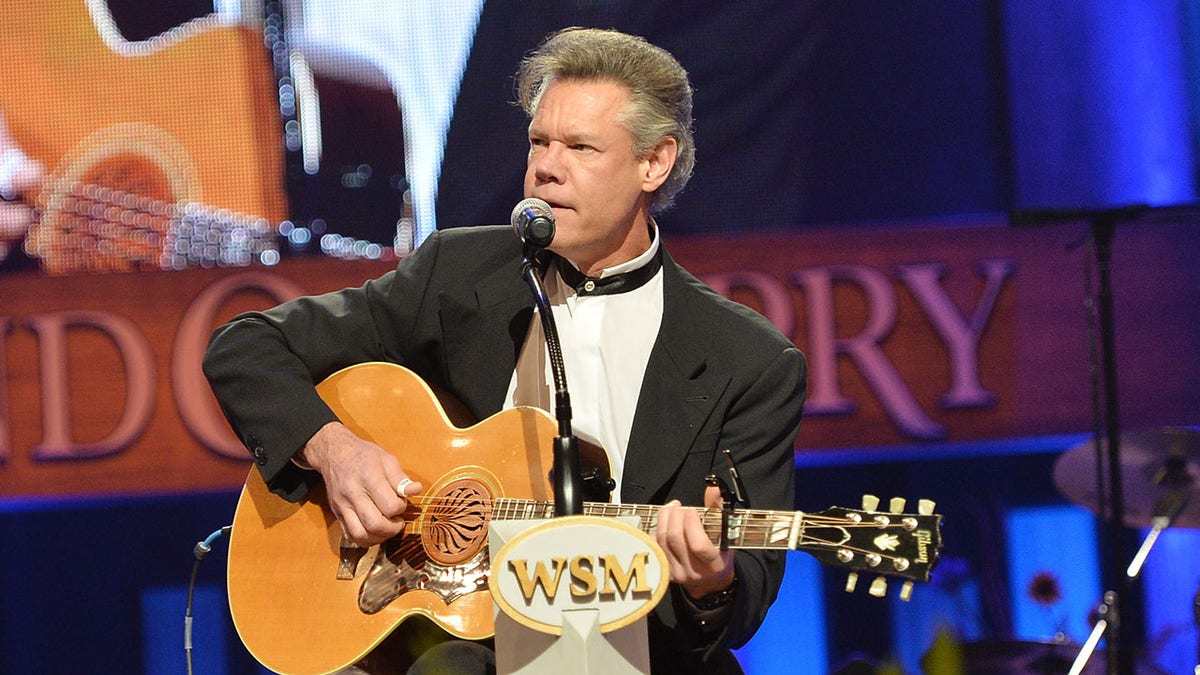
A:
[924,539]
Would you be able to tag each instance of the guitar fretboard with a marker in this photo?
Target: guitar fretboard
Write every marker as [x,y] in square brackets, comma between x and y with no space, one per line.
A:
[100,229]
[747,528]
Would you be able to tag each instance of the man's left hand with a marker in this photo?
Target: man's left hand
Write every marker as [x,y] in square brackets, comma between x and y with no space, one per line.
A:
[695,562]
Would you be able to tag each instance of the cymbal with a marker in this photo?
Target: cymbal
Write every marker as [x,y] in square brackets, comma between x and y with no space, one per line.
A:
[1153,462]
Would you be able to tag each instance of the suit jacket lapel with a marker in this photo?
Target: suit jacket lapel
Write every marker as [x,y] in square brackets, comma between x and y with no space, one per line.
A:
[484,330]
[678,393]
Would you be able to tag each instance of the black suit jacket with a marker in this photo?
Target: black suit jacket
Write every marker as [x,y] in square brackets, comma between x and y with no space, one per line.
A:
[456,312]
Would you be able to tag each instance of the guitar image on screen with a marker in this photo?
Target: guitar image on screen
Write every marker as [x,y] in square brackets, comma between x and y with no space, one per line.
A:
[161,153]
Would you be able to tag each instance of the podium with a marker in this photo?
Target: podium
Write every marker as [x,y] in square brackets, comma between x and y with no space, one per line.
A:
[572,594]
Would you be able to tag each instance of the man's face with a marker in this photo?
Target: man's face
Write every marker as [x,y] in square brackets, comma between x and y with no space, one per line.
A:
[581,162]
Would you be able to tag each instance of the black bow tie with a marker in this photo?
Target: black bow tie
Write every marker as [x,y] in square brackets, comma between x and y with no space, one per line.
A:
[617,283]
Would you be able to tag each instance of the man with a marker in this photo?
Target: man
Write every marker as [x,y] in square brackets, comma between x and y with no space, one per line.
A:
[665,373]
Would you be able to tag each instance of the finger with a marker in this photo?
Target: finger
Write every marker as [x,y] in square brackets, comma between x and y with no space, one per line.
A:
[351,525]
[671,538]
[384,500]
[28,176]
[712,497]
[370,506]
[666,515]
[377,525]
[402,485]
[15,219]
[700,545]
[381,482]
[408,487]
[692,544]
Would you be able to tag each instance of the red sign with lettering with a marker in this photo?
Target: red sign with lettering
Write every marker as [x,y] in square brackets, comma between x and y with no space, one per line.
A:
[914,335]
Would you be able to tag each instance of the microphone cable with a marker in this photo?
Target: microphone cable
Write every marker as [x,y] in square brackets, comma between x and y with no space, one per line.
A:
[201,549]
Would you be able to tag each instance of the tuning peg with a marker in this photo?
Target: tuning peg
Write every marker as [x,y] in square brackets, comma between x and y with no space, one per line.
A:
[906,591]
[925,507]
[870,502]
[897,505]
[878,587]
[851,582]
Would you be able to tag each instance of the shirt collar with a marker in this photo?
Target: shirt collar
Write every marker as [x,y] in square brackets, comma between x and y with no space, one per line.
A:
[619,278]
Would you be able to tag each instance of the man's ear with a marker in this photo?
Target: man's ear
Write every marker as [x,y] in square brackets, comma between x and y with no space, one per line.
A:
[657,163]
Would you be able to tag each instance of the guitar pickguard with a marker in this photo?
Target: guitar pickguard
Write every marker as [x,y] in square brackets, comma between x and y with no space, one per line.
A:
[404,567]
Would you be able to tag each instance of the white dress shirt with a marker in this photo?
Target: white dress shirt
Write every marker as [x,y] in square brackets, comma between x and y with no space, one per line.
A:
[606,342]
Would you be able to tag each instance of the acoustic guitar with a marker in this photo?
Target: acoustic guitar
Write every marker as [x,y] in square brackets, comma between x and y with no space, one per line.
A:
[305,600]
[162,153]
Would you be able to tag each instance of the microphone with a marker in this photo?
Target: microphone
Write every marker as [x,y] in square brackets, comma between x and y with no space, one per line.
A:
[533,222]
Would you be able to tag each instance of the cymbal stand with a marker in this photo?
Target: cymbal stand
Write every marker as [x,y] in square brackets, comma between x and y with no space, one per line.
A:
[1165,510]
[1106,621]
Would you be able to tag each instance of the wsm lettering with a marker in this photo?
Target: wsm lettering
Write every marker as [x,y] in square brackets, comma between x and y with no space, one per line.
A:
[587,576]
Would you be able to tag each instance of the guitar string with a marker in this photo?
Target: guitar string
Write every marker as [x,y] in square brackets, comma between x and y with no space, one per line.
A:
[513,507]
[525,502]
[753,530]
[132,202]
[508,508]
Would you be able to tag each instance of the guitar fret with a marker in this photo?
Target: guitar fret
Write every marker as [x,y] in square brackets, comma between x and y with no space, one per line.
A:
[795,530]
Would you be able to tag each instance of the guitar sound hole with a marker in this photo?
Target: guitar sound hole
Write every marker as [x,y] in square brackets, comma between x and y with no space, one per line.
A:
[456,525]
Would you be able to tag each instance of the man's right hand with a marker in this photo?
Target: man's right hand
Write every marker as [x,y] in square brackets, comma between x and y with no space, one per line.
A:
[361,482]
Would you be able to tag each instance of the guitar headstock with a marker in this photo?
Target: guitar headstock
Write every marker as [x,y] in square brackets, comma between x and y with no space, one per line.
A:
[888,543]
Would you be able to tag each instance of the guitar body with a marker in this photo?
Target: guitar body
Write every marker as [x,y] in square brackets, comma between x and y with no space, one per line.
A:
[305,601]
[187,117]
[317,626]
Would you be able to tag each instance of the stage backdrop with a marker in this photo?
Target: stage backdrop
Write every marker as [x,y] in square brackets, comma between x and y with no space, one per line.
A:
[917,336]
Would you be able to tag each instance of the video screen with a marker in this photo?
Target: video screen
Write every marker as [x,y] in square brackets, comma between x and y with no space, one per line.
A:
[145,135]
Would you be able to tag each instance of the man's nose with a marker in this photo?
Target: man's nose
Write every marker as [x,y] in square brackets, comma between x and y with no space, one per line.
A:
[547,164]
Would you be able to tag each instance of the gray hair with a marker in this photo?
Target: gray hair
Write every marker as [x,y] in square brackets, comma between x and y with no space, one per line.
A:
[660,95]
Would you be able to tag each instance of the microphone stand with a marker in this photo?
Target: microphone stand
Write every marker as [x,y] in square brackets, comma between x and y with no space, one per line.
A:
[1120,652]
[567,474]
[1103,224]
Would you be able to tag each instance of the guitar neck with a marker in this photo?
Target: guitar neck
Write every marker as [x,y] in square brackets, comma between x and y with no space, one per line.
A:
[152,233]
[747,528]
[891,543]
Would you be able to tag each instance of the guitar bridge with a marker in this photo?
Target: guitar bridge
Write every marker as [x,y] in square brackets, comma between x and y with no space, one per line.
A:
[349,555]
